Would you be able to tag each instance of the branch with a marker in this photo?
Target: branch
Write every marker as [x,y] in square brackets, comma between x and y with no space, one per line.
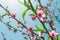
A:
[16,20]
[11,16]
[34,11]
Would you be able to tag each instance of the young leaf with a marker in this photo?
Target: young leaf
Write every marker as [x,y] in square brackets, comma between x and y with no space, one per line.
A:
[48,38]
[39,28]
[36,8]
[4,14]
[24,13]
[56,38]
[53,38]
[32,15]
[45,11]
[25,3]
[36,30]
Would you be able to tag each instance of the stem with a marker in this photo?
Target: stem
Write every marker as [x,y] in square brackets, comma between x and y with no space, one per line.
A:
[51,26]
[32,8]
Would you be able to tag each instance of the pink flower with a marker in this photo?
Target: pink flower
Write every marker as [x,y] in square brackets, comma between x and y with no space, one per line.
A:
[33,18]
[53,34]
[40,12]
[13,15]
[32,36]
[40,34]
[41,15]
[29,28]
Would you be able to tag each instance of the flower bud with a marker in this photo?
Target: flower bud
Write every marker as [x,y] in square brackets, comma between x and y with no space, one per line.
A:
[33,18]
[29,28]
[13,15]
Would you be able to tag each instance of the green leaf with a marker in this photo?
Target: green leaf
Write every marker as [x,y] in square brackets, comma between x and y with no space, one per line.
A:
[4,14]
[38,28]
[34,11]
[56,38]
[48,38]
[53,38]
[25,3]
[45,11]
[24,13]
[36,8]
[32,14]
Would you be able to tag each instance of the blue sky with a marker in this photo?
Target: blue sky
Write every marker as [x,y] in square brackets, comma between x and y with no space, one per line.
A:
[17,8]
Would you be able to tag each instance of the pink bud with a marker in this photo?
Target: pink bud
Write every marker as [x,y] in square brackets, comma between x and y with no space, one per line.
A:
[53,34]
[32,36]
[17,23]
[47,20]
[33,18]
[29,28]
[40,34]
[13,15]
